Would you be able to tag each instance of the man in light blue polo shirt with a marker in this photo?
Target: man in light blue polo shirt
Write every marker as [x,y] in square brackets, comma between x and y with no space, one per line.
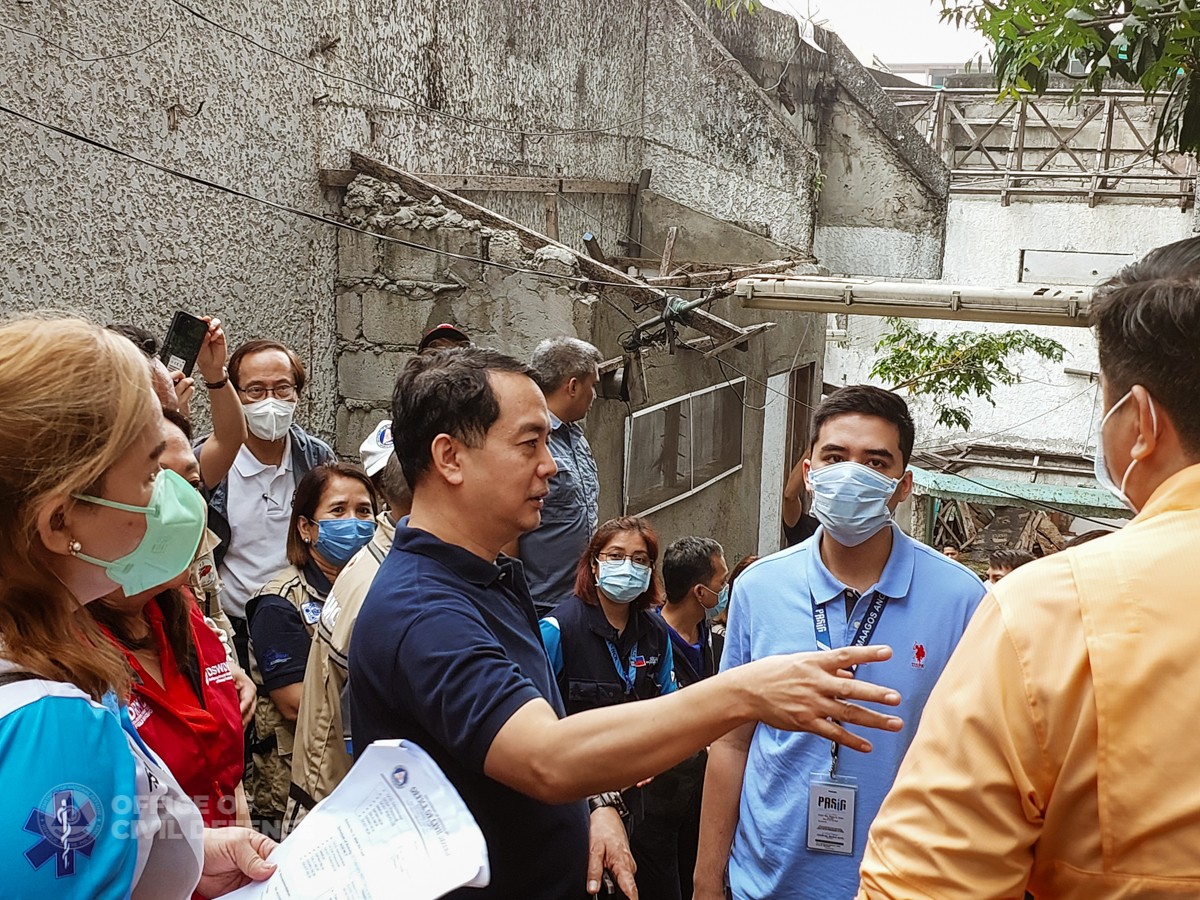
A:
[788,816]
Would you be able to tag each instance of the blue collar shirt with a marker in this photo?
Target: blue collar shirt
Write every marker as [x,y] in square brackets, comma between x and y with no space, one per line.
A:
[931,599]
[569,517]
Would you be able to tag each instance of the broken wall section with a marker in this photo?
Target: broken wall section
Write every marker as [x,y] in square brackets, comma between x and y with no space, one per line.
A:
[388,294]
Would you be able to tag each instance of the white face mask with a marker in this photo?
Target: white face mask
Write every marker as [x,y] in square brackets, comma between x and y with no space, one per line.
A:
[269,419]
[1101,465]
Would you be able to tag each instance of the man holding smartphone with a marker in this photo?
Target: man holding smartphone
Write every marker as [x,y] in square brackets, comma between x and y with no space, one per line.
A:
[250,507]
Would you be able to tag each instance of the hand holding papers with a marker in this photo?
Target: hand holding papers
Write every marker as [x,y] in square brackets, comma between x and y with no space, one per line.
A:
[395,828]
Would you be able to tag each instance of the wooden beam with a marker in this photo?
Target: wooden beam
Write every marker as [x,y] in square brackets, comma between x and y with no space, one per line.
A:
[551,215]
[719,276]
[664,267]
[739,342]
[341,178]
[525,185]
[615,281]
[595,251]
[633,246]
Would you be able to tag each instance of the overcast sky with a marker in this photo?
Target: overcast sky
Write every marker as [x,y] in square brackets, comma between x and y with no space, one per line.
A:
[897,31]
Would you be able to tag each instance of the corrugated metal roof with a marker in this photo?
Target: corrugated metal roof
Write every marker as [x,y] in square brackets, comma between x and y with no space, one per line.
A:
[1077,501]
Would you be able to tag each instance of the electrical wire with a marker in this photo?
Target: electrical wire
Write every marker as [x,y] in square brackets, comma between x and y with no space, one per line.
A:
[466,120]
[580,280]
[80,57]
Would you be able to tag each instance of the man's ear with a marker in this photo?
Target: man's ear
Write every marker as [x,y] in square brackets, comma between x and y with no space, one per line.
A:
[573,386]
[904,488]
[52,525]
[446,453]
[1150,423]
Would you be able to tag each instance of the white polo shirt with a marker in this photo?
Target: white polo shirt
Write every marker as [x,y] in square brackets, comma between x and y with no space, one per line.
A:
[259,510]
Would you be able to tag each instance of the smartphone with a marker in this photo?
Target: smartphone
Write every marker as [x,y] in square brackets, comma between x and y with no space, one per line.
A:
[185,337]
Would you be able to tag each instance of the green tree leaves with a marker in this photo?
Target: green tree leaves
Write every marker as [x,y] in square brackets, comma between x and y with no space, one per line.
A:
[956,366]
[733,7]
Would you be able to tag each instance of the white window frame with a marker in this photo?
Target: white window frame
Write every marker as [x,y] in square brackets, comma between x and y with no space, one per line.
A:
[696,488]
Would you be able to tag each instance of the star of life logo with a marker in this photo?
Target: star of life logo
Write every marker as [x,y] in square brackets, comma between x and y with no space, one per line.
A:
[66,822]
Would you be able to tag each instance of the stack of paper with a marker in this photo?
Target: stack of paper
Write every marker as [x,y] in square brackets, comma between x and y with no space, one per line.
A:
[394,828]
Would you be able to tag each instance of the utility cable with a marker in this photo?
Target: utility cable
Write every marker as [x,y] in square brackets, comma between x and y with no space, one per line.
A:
[580,280]
[466,120]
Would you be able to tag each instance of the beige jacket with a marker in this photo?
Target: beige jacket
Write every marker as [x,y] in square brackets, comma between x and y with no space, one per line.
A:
[320,758]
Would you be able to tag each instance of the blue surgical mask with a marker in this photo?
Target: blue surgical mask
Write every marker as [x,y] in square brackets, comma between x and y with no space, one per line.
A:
[722,603]
[175,521]
[339,539]
[1100,464]
[623,581]
[851,501]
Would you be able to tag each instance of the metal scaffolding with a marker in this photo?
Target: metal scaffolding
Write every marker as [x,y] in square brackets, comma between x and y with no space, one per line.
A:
[1098,148]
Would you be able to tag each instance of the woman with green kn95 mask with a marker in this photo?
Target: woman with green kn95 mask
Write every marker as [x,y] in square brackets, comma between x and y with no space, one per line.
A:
[86,509]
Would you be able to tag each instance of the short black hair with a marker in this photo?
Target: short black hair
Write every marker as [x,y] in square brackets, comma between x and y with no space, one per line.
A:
[1147,321]
[1008,558]
[259,345]
[145,340]
[868,400]
[392,485]
[445,392]
[686,563]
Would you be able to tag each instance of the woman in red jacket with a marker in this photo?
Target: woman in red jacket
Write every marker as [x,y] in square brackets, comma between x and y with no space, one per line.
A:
[184,702]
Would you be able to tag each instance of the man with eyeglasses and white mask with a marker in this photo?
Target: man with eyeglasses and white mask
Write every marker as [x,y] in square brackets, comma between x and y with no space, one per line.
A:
[1059,754]
[249,510]
[788,813]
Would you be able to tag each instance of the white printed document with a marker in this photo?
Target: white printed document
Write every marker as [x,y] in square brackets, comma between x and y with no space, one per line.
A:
[394,828]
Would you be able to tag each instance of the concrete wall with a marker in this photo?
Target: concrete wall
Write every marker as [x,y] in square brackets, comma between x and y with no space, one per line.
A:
[1049,409]
[85,231]
[520,88]
[882,190]
[387,295]
[882,207]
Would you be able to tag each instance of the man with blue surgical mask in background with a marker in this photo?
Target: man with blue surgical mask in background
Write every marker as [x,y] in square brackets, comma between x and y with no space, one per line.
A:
[786,813]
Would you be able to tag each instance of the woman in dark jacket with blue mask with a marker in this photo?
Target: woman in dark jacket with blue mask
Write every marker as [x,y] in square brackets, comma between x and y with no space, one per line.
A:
[605,644]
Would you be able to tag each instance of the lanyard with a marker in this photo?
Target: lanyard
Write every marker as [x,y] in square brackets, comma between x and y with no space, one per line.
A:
[862,637]
[626,674]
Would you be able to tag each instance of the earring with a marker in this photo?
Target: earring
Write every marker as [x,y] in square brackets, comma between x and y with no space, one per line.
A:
[74,547]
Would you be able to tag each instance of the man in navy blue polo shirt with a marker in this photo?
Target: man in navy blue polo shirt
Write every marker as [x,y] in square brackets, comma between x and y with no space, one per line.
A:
[447,652]
[788,812]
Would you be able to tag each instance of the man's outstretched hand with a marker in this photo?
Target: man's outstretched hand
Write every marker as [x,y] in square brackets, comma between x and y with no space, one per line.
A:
[813,692]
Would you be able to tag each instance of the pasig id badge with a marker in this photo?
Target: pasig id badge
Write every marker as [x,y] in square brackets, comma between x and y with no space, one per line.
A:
[831,800]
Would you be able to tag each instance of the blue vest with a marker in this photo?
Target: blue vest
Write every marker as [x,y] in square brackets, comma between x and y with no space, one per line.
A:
[590,678]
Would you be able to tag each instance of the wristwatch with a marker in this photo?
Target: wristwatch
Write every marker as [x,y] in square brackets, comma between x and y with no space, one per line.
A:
[609,798]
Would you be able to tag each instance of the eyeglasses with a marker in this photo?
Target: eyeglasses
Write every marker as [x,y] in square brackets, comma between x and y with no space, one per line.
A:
[638,559]
[279,392]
